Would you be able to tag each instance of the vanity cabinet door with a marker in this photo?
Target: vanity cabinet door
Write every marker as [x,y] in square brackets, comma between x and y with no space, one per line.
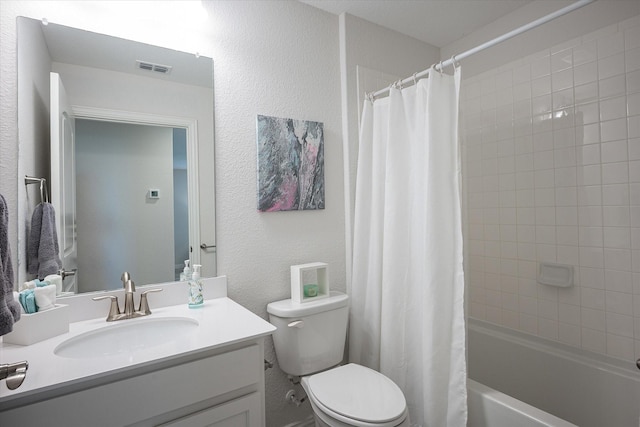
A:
[241,412]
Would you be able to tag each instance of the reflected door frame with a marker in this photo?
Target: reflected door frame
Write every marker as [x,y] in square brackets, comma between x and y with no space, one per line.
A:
[191,125]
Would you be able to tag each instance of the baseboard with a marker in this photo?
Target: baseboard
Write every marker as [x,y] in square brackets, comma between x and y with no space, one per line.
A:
[307,422]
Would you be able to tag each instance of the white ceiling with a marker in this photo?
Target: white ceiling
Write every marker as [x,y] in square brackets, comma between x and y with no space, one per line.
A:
[438,22]
[79,47]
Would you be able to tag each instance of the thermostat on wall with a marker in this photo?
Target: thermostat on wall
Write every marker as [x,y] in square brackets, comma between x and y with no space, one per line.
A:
[153,193]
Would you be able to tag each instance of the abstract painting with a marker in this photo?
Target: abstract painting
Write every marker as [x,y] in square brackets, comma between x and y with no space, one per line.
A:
[290,164]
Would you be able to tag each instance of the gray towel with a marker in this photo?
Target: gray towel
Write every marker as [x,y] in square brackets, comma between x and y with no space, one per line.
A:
[9,308]
[43,256]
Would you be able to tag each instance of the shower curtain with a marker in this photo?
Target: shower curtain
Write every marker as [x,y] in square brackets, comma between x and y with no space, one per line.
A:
[407,314]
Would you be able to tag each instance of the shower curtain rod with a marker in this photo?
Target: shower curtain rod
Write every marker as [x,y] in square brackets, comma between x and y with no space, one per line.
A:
[441,65]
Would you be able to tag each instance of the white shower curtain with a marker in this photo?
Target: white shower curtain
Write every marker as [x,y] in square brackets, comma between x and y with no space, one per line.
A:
[407,315]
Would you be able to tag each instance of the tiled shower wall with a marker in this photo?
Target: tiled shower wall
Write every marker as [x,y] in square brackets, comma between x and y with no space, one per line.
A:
[551,151]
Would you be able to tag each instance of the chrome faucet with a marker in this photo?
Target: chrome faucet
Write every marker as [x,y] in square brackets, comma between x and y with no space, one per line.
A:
[129,307]
[129,289]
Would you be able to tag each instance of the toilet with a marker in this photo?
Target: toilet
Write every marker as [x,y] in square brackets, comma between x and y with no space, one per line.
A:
[309,343]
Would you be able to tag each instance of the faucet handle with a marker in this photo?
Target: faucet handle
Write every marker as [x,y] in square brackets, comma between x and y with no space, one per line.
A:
[114,309]
[144,303]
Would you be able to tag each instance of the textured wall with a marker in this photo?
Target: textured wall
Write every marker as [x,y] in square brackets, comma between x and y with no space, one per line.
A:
[272,58]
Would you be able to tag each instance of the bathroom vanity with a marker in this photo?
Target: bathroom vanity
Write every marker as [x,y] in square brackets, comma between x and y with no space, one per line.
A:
[175,367]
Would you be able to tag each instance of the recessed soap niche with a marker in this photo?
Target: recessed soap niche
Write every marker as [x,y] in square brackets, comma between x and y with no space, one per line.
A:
[559,275]
[314,273]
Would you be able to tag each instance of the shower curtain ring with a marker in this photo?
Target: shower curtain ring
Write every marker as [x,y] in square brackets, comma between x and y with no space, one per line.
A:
[370,96]
[454,63]
[439,68]
[415,82]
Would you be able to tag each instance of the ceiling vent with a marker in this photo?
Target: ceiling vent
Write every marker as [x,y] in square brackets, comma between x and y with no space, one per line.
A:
[150,66]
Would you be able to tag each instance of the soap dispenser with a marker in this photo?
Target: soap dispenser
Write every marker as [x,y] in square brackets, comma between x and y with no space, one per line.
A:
[196,299]
[186,272]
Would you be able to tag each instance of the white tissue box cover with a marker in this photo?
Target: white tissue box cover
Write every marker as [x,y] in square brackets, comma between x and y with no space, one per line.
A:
[36,327]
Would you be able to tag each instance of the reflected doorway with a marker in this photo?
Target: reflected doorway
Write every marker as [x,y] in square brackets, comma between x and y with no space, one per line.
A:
[131,203]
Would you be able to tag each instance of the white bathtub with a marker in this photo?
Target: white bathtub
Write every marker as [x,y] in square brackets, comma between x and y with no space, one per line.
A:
[490,408]
[583,388]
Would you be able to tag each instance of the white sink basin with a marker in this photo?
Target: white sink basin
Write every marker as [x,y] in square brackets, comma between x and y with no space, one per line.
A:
[126,337]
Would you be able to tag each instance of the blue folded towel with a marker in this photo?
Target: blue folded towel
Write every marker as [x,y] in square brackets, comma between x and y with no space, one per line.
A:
[28,301]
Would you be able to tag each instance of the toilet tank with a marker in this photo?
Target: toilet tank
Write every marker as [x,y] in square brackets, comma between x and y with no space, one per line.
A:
[311,335]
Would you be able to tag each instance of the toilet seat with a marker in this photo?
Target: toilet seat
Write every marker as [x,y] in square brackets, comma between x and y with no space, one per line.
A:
[357,396]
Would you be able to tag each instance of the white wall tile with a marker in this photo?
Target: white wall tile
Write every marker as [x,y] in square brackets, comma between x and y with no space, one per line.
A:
[617,259]
[563,177]
[569,334]
[589,175]
[585,93]
[552,172]
[594,340]
[611,66]
[617,237]
[564,79]
[618,281]
[564,157]
[584,52]
[590,236]
[612,86]
[541,86]
[590,134]
[621,347]
[634,171]
[615,173]
[590,195]
[633,104]
[592,277]
[566,216]
[590,216]
[613,130]
[632,60]
[591,257]
[593,298]
[593,319]
[548,329]
[562,60]
[619,302]
[632,37]
[585,73]
[588,112]
[634,216]
[610,44]
[616,216]
[619,324]
[632,83]
[542,66]
[615,194]
[613,108]
[633,125]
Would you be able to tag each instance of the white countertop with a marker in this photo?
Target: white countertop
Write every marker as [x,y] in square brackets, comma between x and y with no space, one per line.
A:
[222,322]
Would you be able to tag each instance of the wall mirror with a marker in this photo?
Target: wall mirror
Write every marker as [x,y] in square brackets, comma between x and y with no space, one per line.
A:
[130,160]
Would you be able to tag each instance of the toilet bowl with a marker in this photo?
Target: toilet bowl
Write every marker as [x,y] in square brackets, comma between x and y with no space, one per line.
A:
[309,343]
[353,395]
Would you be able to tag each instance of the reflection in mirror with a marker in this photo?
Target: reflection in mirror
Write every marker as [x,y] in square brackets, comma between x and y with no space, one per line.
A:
[139,116]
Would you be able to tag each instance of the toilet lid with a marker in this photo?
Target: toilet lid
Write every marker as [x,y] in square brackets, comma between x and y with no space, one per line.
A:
[359,393]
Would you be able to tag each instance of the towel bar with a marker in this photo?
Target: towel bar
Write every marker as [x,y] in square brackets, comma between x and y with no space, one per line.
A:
[44,194]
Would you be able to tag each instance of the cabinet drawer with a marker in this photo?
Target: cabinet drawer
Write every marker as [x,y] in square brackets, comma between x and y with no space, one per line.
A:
[146,396]
[241,412]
